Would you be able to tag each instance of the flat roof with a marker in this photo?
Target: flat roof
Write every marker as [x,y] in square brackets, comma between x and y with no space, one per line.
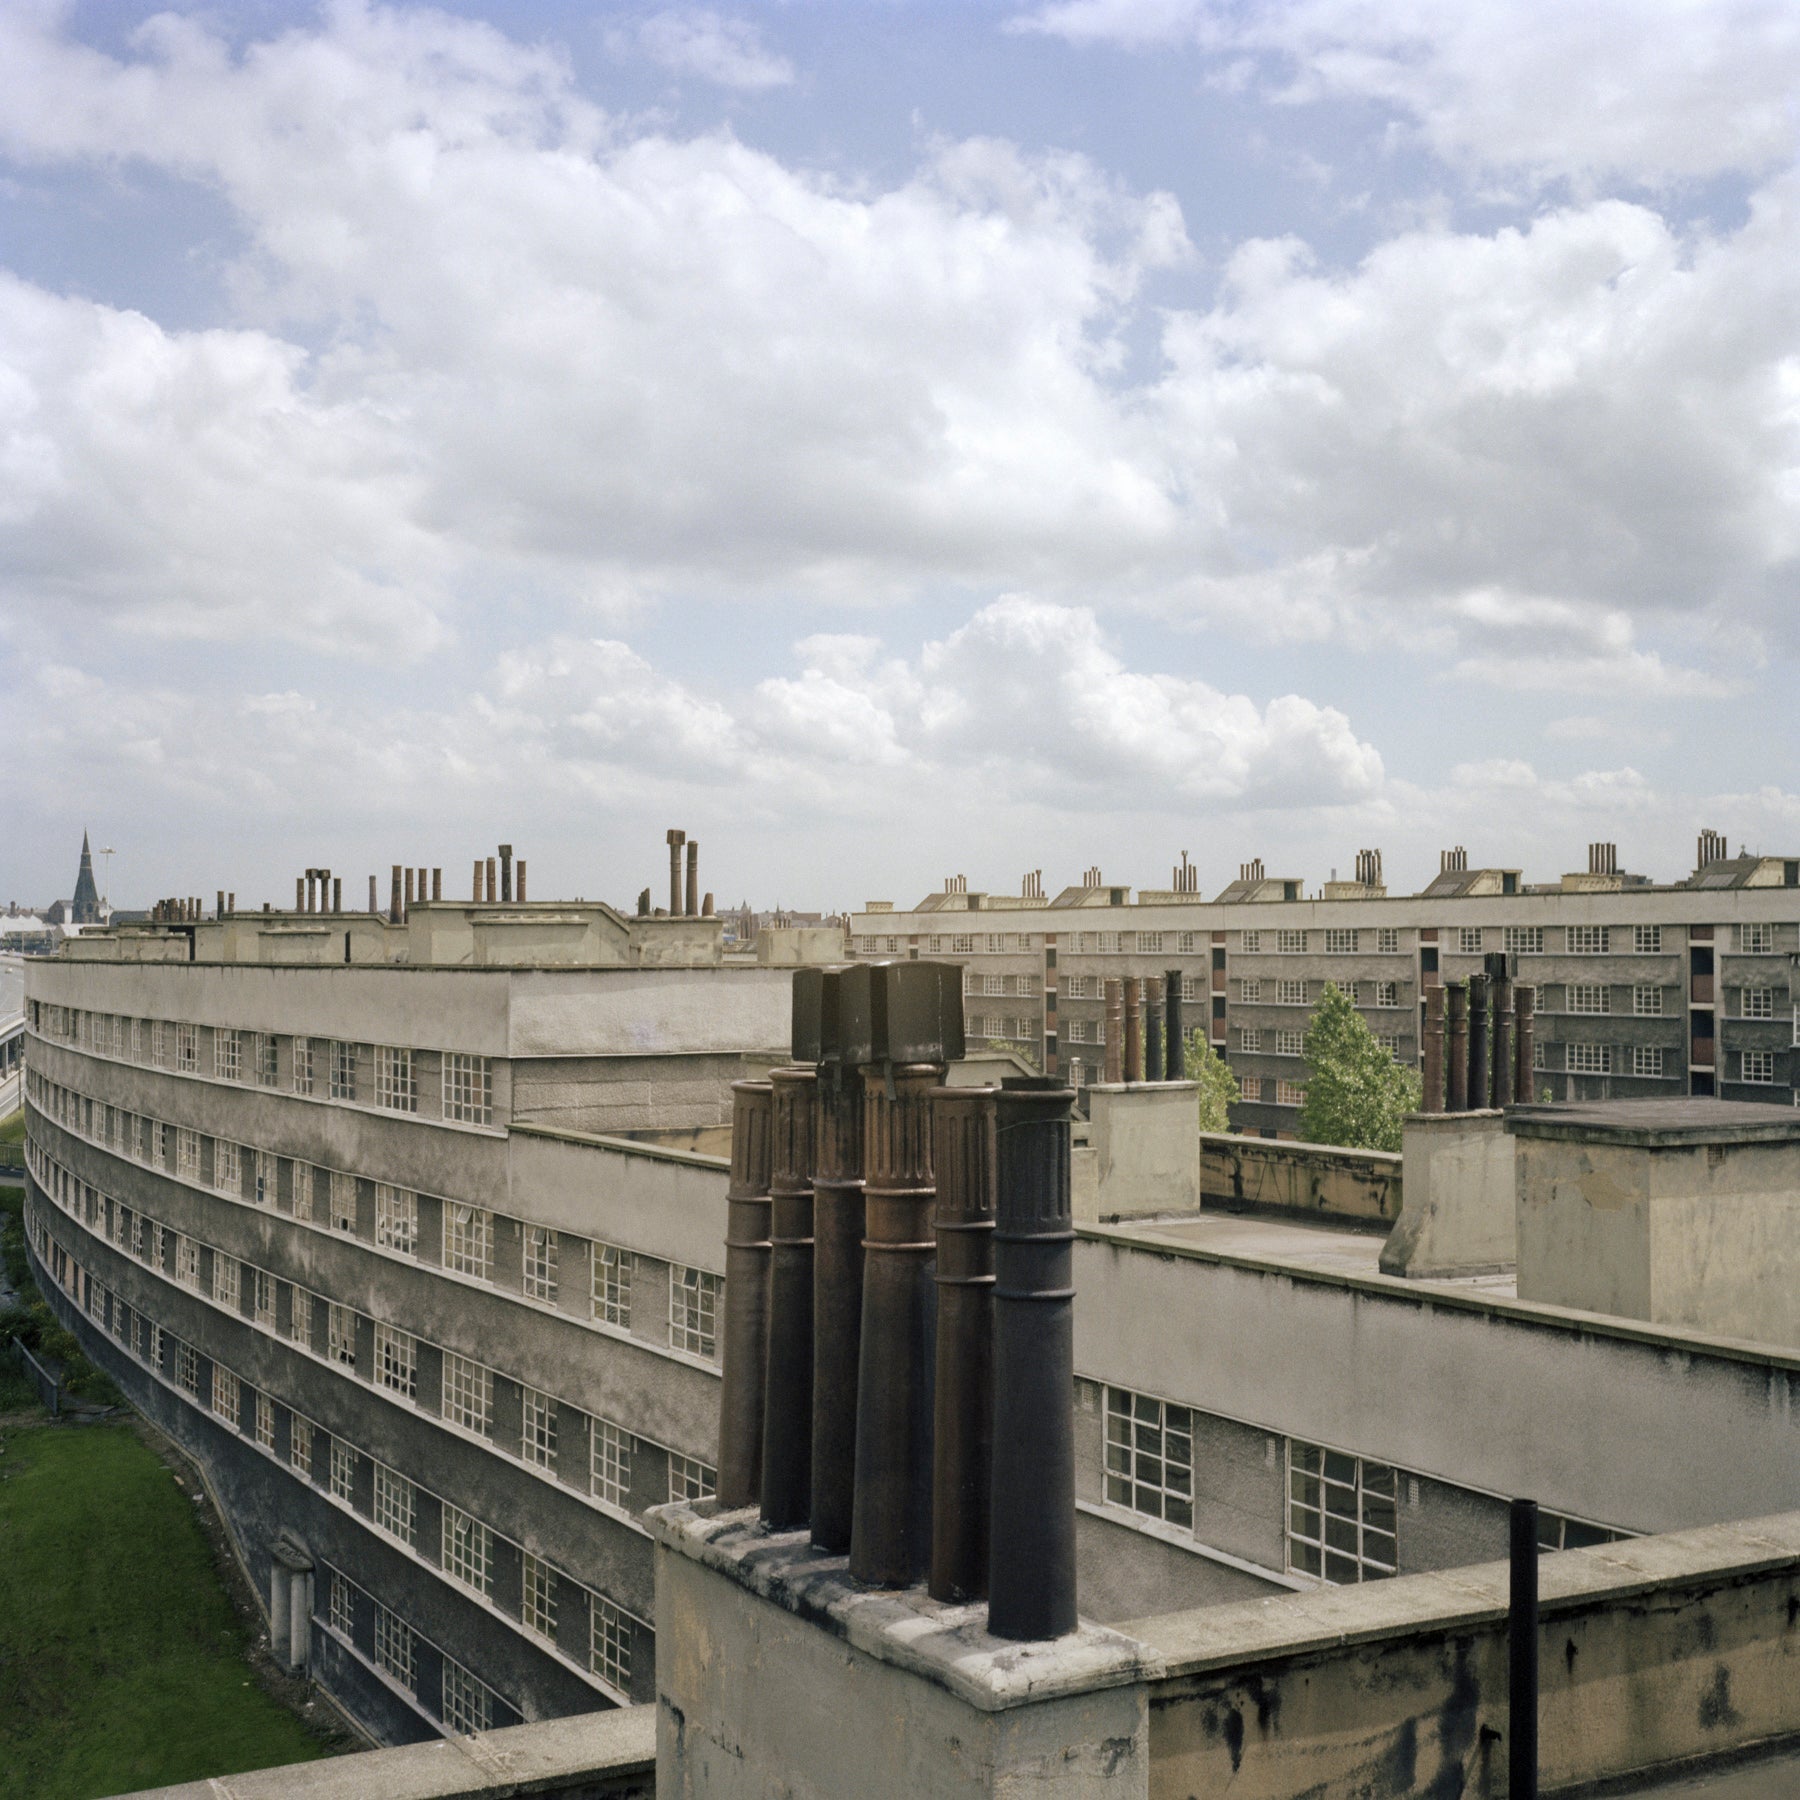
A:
[1658,1124]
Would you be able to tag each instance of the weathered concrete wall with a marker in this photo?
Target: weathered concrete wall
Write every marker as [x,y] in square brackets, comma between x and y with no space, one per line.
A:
[599,1756]
[1316,1181]
[1459,1212]
[1144,1158]
[601,1094]
[1650,1653]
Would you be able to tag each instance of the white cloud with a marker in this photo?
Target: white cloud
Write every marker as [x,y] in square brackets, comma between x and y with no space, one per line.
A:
[697,41]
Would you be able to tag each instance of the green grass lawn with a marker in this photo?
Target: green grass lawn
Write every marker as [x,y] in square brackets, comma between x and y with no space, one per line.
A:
[121,1660]
[12,1130]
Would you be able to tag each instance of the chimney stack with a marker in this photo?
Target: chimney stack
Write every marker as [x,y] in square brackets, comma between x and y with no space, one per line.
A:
[299,893]
[1252,870]
[406,895]
[506,892]
[521,880]
[394,913]
[1603,859]
[1453,862]
[788,1400]
[374,897]
[1093,878]
[337,894]
[1712,849]
[437,884]
[742,1389]
[693,877]
[706,907]
[644,904]
[493,881]
[675,840]
[1368,868]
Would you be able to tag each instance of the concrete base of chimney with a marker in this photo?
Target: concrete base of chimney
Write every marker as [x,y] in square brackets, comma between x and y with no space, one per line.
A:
[1457,1214]
[777,1675]
[1143,1151]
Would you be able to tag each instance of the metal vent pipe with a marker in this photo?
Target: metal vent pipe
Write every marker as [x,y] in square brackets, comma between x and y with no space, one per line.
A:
[746,1336]
[788,1390]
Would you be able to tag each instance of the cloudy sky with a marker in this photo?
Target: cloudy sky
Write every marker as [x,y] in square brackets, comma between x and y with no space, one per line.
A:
[891,439]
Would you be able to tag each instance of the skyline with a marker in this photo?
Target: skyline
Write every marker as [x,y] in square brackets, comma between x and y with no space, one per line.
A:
[895,440]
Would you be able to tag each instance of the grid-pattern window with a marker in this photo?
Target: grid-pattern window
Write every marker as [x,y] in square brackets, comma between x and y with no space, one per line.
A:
[262,1297]
[1289,1043]
[1190,987]
[612,1284]
[468,1393]
[1759,1003]
[693,1310]
[1150,943]
[1756,940]
[1187,942]
[396,1218]
[1590,1059]
[468,1239]
[396,1652]
[187,1153]
[343,1071]
[227,1279]
[468,1089]
[228,1055]
[1646,1001]
[1251,943]
[300,1319]
[397,1361]
[1290,993]
[265,1421]
[1250,1041]
[1468,940]
[1078,987]
[1340,943]
[993,984]
[394,1085]
[1289,1093]
[690,1478]
[1646,1059]
[1250,992]
[303,1065]
[1387,941]
[1291,943]
[1341,1516]
[266,1071]
[468,1701]
[1589,940]
[1759,1067]
[468,1549]
[1558,1532]
[1390,1042]
[340,1334]
[537,1596]
[343,1470]
[1589,997]
[300,1446]
[228,1167]
[305,1191]
[343,1606]
[396,1504]
[227,1395]
[187,1260]
[1646,940]
[1075,1031]
[537,1441]
[540,1263]
[187,1048]
[1150,1456]
[609,1652]
[1524,940]
[1387,993]
[612,1463]
[343,1201]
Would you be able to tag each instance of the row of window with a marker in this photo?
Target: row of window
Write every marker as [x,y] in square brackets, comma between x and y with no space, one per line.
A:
[1253,1041]
[1337,940]
[1093,987]
[384,1074]
[1755,1068]
[332,1198]
[1290,992]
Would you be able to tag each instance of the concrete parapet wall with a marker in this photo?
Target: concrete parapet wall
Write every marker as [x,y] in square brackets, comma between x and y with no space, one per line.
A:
[1318,1181]
[1459,1212]
[1653,1652]
[594,1756]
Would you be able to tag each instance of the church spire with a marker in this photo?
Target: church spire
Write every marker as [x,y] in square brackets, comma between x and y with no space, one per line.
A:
[84,909]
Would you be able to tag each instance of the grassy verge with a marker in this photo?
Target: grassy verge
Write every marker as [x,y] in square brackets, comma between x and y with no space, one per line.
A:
[122,1662]
[30,1320]
[12,1130]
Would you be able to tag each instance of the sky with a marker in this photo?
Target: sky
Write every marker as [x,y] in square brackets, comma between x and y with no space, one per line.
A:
[890,440]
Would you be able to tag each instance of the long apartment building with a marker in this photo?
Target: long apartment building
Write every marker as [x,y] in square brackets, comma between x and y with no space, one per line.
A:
[1642,990]
[405,1231]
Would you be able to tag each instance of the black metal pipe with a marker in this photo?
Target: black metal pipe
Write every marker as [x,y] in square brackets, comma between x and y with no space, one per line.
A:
[1434,1050]
[1480,1069]
[1175,1032]
[741,1390]
[1457,1061]
[787,1392]
[1522,1656]
[890,1533]
[1134,1029]
[1031,1565]
[1153,1029]
[963,1427]
[837,1302]
[1502,990]
[1524,1043]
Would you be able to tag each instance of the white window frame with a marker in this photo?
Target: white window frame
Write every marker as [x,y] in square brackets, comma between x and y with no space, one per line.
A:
[537,1428]
[612,1285]
[468,1550]
[469,1239]
[1646,940]
[694,1310]
[468,1393]
[610,1458]
[396,1089]
[690,1479]
[1756,1068]
[396,1219]
[396,1504]
[1148,1458]
[1590,940]
[467,1700]
[537,1595]
[1589,998]
[397,1361]
[1365,1543]
[540,1255]
[609,1643]
[1646,1000]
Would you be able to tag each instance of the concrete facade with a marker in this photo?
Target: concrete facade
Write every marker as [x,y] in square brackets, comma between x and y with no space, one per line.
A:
[1458,1218]
[1300,1180]
[1142,1154]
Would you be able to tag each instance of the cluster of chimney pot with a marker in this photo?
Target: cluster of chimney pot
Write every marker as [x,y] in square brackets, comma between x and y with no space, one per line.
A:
[1145,1035]
[898,1345]
[694,905]
[1479,1040]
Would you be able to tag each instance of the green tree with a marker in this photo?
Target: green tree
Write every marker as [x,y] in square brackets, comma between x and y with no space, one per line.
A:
[1356,1094]
[1218,1086]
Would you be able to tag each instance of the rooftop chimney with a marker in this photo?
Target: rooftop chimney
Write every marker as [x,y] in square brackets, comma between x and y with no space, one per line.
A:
[1712,849]
[1252,870]
[676,840]
[1603,859]
[693,878]
[506,874]
[1093,878]
[1368,867]
[1453,862]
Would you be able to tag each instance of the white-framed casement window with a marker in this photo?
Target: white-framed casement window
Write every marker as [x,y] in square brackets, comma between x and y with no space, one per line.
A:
[1150,943]
[1647,1000]
[1078,987]
[397,1361]
[1590,1059]
[300,1318]
[1589,940]
[993,984]
[1468,940]
[343,1201]
[537,1436]
[693,1309]
[1589,997]
[343,1471]
[612,1285]
[303,1065]
[187,1153]
[396,1218]
[690,1478]
[1249,992]
[1758,1067]
[468,1393]
[1340,942]
[609,1649]
[228,1167]
[187,1049]
[1290,1043]
[1186,942]
[1250,1087]
[1756,940]
[395,1087]
[187,1260]
[1387,993]
[1524,940]
[971,983]
[227,1280]
[934,945]
[265,1421]
[1387,941]
[1797,1022]
[468,1239]
[1646,940]
[1250,1040]
[537,1595]
[468,1550]
[996,942]
[611,1472]
[1646,1059]
[891,946]
[468,1701]
[396,1503]
[1390,1042]
[228,1055]
[340,1334]
[1250,942]
[961,944]
[1759,1002]
[1150,1456]
[343,1606]
[1342,1516]
[1290,993]
[396,1649]
[1075,1031]
[300,1445]
[1109,943]
[1289,1093]
[1556,1531]
[262,1297]
[1290,943]
[343,1071]
[227,1396]
[539,1276]
[1190,987]
[267,1070]
[304,1191]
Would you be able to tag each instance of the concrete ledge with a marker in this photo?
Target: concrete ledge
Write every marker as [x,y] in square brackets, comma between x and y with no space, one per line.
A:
[946,1645]
[611,1754]
[1287,1178]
